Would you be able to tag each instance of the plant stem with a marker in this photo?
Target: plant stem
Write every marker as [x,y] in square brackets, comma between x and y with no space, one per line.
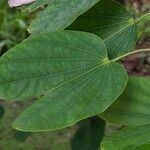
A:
[142,17]
[130,53]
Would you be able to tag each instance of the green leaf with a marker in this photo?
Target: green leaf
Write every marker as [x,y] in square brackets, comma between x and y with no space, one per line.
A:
[89,134]
[71,70]
[132,107]
[58,14]
[127,138]
[113,23]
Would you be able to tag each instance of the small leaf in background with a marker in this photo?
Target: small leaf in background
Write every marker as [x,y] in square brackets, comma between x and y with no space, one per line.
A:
[132,107]
[70,69]
[21,136]
[127,138]
[89,134]
[113,23]
[2,110]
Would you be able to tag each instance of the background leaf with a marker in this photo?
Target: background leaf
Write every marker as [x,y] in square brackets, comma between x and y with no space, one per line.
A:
[132,107]
[58,14]
[113,23]
[128,137]
[89,134]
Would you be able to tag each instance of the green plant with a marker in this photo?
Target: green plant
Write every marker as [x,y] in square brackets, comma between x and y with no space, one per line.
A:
[75,75]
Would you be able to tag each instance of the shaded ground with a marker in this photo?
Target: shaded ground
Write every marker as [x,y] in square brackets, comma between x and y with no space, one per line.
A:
[59,140]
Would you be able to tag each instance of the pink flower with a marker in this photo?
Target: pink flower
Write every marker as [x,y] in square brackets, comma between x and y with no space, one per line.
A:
[15,3]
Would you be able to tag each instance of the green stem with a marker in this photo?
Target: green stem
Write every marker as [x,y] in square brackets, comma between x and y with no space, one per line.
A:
[130,53]
[142,17]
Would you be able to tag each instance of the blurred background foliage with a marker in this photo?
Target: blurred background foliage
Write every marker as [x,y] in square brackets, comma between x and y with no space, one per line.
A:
[12,26]
[139,8]
[13,29]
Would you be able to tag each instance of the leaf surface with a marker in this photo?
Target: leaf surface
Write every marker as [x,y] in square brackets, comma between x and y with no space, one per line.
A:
[132,107]
[113,23]
[127,138]
[58,14]
[72,72]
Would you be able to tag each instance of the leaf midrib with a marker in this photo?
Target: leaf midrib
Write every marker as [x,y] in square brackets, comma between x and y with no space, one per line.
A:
[42,76]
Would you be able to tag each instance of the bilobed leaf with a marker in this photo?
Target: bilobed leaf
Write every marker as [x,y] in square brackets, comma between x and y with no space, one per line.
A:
[132,107]
[89,135]
[127,138]
[113,23]
[58,14]
[71,70]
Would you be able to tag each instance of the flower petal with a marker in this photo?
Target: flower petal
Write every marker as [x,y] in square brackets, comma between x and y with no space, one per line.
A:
[15,3]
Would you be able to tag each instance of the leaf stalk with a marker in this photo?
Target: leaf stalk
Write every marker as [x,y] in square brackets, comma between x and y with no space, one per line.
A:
[130,53]
[143,17]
